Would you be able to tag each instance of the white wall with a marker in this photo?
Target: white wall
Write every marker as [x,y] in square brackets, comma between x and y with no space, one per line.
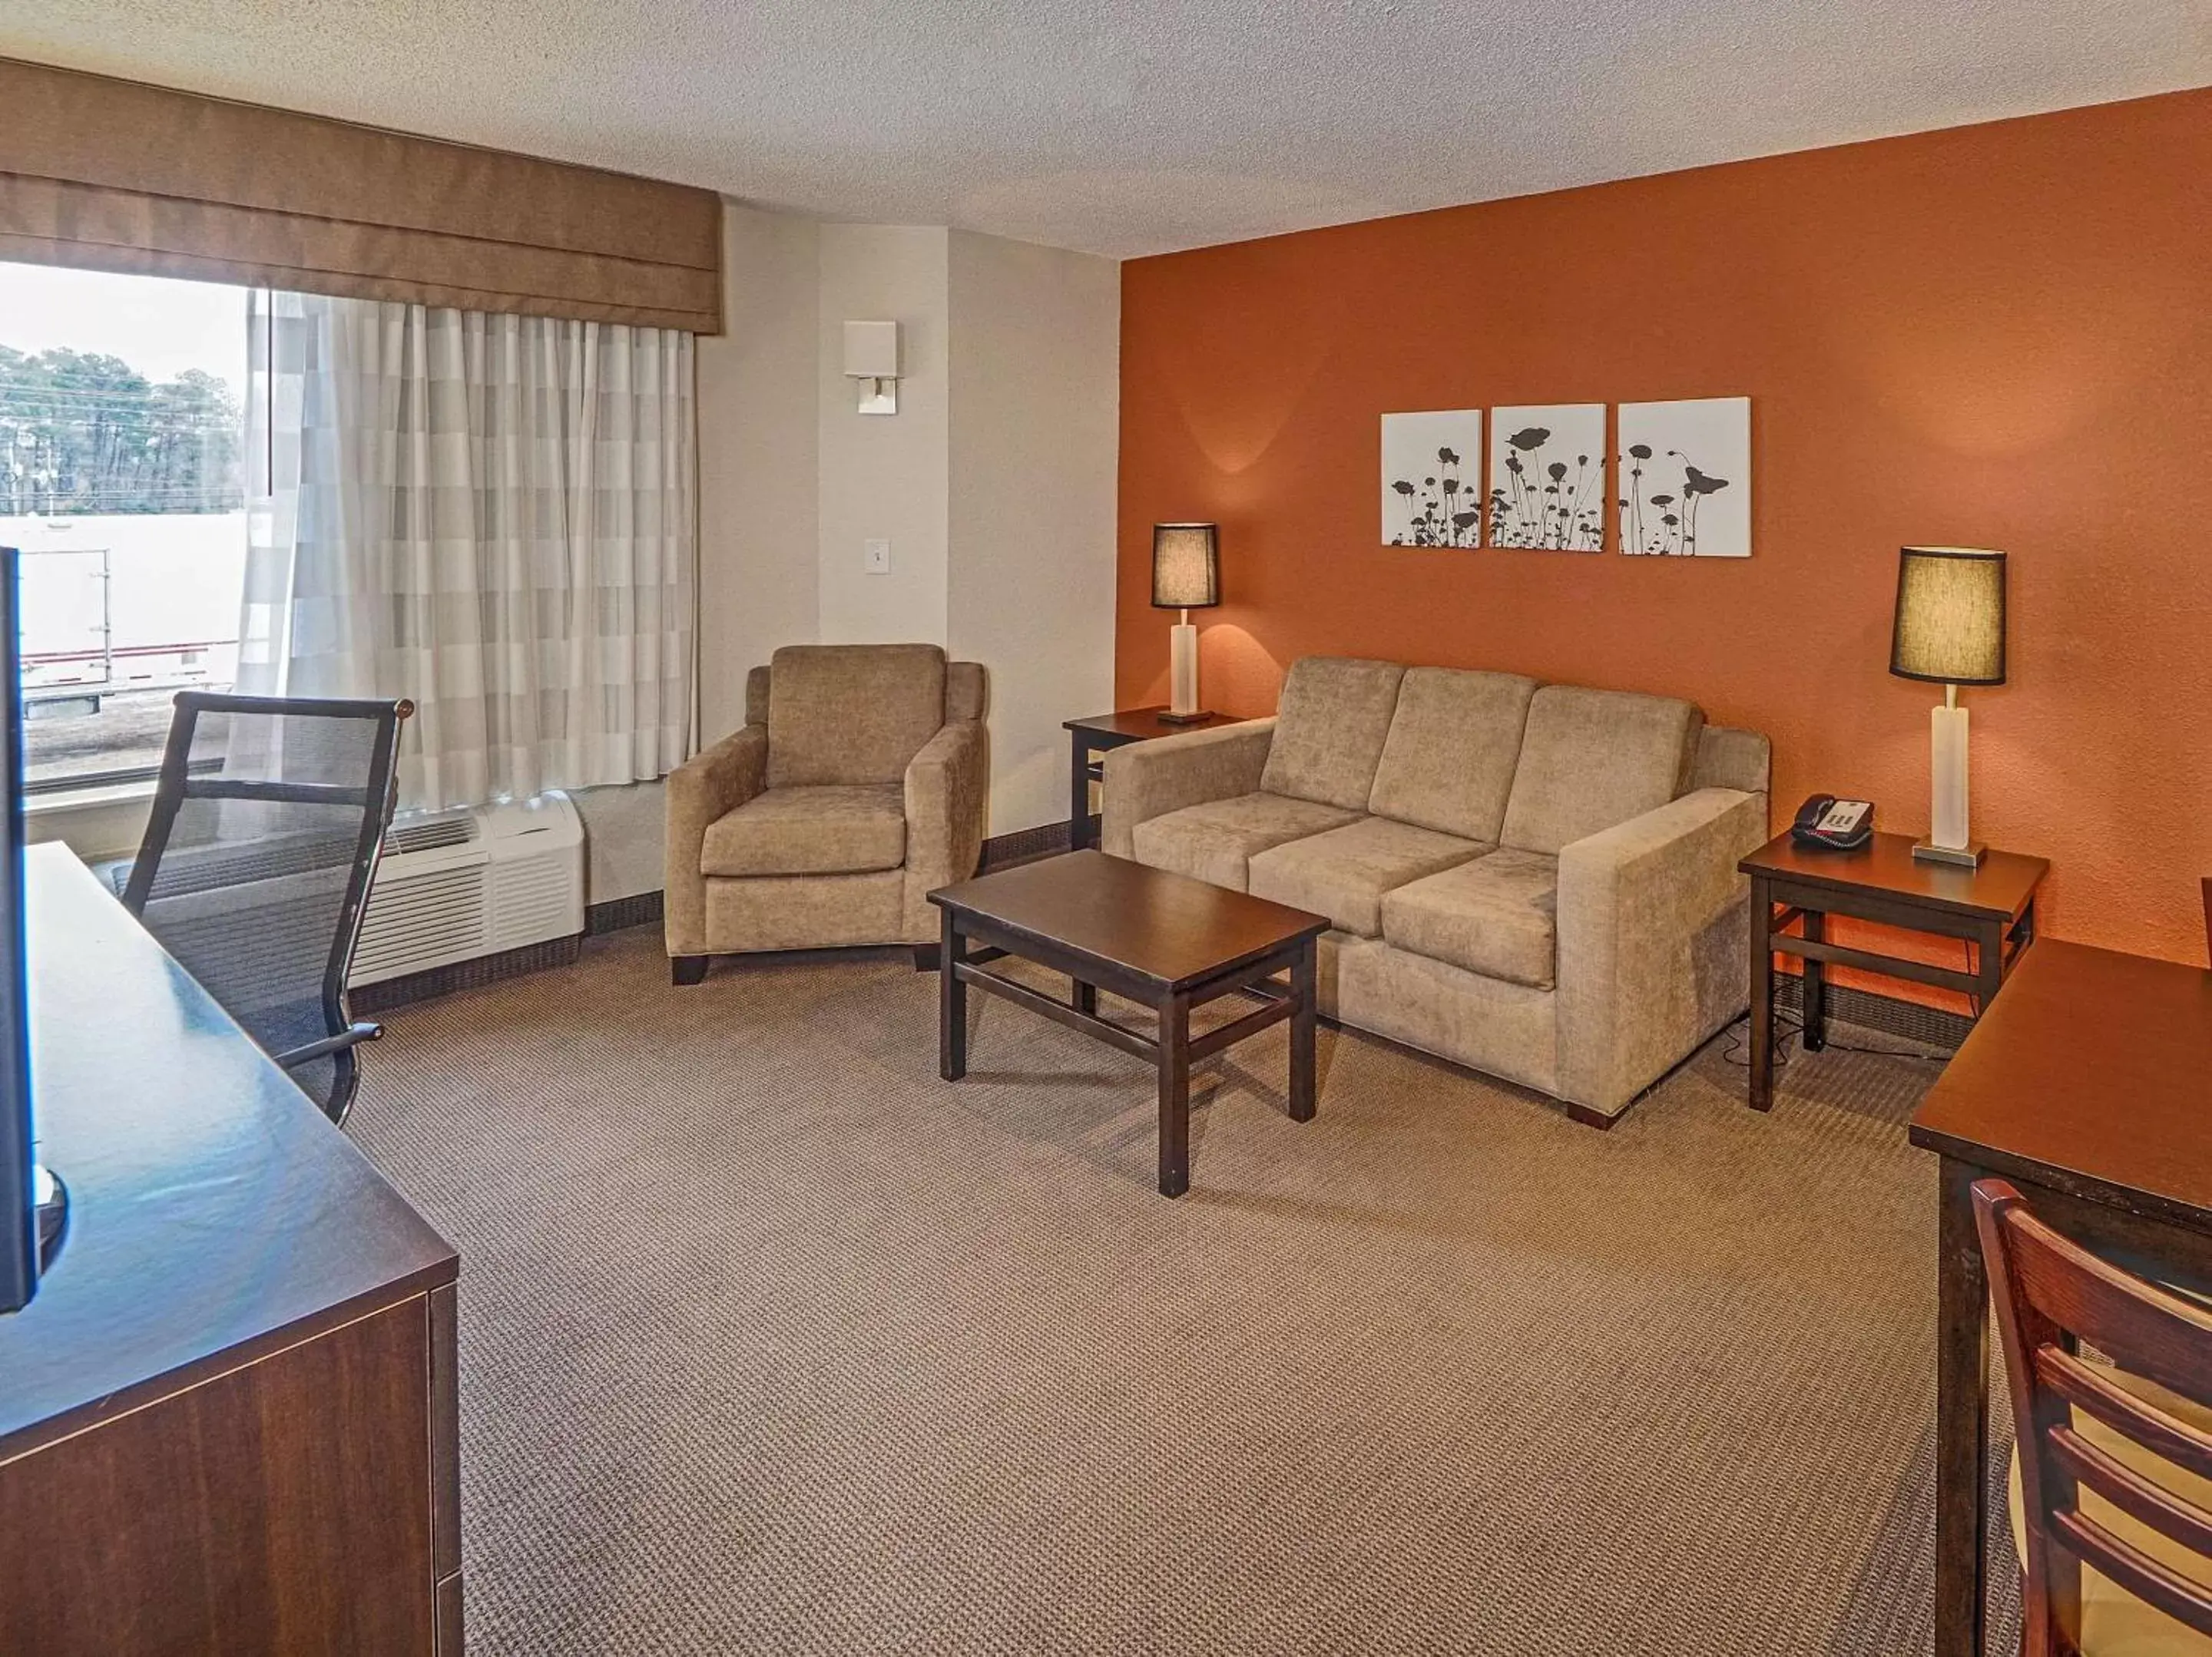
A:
[1036,402]
[883,476]
[759,557]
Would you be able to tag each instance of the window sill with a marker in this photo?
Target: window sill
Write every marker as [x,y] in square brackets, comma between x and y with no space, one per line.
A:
[91,797]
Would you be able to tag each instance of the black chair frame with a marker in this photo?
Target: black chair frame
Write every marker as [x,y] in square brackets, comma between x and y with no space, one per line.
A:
[179,782]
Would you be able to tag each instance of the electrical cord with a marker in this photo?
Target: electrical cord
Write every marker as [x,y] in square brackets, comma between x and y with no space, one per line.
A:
[1788,1028]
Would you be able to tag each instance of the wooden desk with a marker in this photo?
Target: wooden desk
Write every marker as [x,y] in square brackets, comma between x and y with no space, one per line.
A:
[1991,907]
[2089,1086]
[228,1421]
[1101,732]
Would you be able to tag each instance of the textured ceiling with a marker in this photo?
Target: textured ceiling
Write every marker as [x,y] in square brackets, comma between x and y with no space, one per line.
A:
[1133,126]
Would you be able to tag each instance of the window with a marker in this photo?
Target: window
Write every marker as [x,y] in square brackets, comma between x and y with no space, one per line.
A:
[121,481]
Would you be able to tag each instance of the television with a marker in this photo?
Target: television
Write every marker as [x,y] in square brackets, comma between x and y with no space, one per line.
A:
[32,1202]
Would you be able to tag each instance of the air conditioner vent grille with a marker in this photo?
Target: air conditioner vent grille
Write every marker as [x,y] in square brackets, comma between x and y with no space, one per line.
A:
[430,833]
[433,917]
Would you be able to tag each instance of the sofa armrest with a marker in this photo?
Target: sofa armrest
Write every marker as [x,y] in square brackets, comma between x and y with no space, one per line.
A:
[716,781]
[1652,940]
[1148,779]
[947,800]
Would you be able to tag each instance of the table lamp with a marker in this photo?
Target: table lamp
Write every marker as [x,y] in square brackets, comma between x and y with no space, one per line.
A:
[1186,576]
[1950,630]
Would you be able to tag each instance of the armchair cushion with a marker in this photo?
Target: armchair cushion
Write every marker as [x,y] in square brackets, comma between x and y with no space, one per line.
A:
[1447,763]
[1334,713]
[828,829]
[1590,759]
[1343,873]
[1215,842]
[1497,916]
[851,713]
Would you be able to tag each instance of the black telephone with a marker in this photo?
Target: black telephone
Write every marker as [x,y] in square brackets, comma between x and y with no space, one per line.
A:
[1828,824]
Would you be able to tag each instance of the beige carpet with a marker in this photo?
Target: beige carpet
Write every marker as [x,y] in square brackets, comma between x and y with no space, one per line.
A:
[772,1342]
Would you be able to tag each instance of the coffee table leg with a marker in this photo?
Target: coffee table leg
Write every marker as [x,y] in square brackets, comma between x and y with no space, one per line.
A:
[1302,1015]
[1085,998]
[952,1001]
[1175,1096]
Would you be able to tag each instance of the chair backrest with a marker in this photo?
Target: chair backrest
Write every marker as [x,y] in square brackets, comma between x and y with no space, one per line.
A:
[2051,1295]
[2207,913]
[256,866]
[851,713]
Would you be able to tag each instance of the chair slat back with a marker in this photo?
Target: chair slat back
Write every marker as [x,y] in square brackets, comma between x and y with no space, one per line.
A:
[2051,1295]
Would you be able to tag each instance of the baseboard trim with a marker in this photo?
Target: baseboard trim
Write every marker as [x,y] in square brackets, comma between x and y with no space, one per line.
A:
[618,914]
[1892,1015]
[1024,846]
[467,975]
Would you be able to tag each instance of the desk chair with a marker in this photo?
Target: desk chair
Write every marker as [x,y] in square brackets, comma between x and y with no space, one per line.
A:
[2113,1471]
[256,867]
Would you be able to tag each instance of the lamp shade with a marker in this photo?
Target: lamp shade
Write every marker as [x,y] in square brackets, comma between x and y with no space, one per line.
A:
[1950,615]
[1186,566]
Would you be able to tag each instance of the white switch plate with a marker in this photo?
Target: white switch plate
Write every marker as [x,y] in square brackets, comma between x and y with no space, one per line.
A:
[875,557]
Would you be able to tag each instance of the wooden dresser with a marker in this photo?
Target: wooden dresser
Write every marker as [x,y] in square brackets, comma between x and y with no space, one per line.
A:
[228,1421]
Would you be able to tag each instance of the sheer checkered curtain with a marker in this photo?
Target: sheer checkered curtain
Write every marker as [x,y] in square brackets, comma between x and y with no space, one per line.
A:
[489,515]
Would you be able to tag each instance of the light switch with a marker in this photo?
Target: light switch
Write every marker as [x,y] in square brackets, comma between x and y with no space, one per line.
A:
[875,557]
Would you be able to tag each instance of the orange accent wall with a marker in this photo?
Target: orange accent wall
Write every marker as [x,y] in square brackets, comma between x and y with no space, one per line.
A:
[1995,335]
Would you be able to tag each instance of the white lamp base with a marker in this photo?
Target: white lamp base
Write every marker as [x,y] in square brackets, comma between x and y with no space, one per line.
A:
[1947,841]
[1182,675]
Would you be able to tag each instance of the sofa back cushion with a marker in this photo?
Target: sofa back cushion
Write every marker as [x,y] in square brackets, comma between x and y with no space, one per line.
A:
[1329,730]
[1448,763]
[1590,759]
[851,713]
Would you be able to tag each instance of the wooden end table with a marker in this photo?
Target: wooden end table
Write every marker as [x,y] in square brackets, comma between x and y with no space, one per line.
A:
[1162,940]
[1990,906]
[1099,732]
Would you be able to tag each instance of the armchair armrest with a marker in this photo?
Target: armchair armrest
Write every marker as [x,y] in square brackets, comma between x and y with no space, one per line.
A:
[1149,779]
[716,781]
[947,799]
[1652,940]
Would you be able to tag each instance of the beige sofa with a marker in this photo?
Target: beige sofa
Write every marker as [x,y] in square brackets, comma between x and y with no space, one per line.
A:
[858,785]
[1537,881]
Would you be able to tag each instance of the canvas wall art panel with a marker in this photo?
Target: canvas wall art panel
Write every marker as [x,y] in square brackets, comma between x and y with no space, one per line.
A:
[1432,478]
[1685,472]
[1547,477]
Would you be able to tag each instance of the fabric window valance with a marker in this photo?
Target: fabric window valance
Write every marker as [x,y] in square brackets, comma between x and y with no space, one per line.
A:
[114,175]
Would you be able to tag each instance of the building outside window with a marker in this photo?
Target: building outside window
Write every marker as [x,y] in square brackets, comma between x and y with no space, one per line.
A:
[122,479]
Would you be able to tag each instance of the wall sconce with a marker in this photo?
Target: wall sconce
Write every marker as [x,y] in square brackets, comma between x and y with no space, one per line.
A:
[872,351]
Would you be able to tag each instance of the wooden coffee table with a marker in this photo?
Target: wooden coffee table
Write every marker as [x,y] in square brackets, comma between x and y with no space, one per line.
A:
[1160,940]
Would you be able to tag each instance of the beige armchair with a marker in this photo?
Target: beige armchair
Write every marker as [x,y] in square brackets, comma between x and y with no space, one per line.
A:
[857,787]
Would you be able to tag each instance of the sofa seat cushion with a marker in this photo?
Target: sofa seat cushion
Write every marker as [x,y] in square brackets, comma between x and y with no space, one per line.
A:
[1216,841]
[1330,724]
[1343,873]
[1590,760]
[1495,916]
[835,830]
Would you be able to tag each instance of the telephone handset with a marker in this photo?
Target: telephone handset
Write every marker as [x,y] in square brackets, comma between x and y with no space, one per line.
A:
[1828,824]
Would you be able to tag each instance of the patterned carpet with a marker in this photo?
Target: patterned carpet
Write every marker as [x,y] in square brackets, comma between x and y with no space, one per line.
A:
[772,1342]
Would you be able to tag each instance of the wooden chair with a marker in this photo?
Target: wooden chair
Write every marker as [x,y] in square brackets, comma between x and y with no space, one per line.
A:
[2112,1493]
[2207,912]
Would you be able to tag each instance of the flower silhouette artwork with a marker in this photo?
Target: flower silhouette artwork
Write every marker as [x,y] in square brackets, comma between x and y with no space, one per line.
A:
[1547,477]
[1431,478]
[1685,472]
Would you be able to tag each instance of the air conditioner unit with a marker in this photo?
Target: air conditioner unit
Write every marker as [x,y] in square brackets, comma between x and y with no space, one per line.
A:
[457,885]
